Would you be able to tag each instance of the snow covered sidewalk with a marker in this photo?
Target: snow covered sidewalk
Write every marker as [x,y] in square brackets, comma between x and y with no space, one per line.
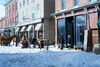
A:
[17,57]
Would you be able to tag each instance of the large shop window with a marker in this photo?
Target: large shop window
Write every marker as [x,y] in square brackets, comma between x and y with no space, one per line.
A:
[61,28]
[80,27]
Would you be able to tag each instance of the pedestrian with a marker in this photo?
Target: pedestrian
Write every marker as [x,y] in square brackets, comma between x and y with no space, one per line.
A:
[69,41]
[62,41]
[34,41]
[24,43]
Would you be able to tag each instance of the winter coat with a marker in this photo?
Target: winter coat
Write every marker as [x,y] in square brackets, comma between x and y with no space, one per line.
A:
[24,44]
[34,40]
[62,40]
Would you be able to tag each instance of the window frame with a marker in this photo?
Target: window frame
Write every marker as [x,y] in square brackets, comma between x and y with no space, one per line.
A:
[32,12]
[76,2]
[38,10]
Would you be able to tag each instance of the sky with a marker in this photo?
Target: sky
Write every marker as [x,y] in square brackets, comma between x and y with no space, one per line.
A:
[2,8]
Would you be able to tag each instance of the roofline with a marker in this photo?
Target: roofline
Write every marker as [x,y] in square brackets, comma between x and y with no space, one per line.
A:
[8,2]
[76,8]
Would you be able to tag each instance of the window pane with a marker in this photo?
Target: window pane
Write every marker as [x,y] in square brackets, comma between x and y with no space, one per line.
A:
[75,2]
[63,4]
[32,12]
[38,10]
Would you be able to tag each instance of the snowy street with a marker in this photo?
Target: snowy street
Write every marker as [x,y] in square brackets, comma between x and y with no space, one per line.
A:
[34,57]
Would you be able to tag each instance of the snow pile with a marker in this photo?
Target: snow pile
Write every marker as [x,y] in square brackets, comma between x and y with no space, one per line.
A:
[17,57]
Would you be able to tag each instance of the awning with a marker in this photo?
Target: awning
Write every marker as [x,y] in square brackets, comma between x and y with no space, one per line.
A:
[23,29]
[1,30]
[17,30]
[29,28]
[38,26]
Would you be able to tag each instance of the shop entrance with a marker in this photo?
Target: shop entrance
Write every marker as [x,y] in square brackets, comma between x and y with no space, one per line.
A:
[69,32]
[61,28]
[80,27]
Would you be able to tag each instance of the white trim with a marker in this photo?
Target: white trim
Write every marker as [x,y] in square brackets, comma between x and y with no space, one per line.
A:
[17,29]
[23,28]
[29,28]
[38,26]
[28,23]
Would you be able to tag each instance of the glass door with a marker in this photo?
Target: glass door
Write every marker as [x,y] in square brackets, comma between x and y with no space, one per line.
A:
[61,28]
[80,27]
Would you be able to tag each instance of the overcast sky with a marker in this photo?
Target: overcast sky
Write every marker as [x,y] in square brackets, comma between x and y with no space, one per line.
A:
[2,8]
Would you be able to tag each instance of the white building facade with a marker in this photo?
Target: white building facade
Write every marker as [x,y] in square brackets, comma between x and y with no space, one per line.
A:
[34,19]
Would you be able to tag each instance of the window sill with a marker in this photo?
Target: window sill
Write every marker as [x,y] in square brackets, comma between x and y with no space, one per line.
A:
[76,6]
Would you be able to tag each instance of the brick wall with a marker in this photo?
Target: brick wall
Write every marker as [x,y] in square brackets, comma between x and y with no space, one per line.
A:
[69,4]
[11,14]
[2,23]
[57,5]
[83,2]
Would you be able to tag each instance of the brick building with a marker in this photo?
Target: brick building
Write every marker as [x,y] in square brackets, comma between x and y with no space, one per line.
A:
[2,23]
[77,20]
[11,15]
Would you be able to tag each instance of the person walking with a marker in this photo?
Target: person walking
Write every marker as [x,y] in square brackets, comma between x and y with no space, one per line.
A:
[62,41]
[24,43]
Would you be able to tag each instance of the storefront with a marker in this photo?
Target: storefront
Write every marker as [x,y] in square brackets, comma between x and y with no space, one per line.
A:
[30,31]
[71,27]
[73,23]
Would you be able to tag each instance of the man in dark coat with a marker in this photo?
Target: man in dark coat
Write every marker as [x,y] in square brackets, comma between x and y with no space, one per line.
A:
[62,41]
[34,40]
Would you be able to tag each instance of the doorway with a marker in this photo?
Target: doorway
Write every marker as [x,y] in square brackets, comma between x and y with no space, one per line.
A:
[80,27]
[61,28]
[69,32]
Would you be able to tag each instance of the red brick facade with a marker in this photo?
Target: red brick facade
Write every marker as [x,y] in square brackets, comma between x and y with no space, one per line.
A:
[83,8]
[2,23]
[11,13]
[69,4]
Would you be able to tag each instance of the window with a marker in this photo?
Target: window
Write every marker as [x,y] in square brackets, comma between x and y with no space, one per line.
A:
[61,28]
[27,13]
[20,4]
[13,7]
[32,12]
[38,11]
[9,10]
[63,4]
[75,2]
[10,22]
[16,19]
[32,0]
[27,1]
[80,27]
[13,20]
[23,16]
[23,2]
[92,0]
[16,6]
